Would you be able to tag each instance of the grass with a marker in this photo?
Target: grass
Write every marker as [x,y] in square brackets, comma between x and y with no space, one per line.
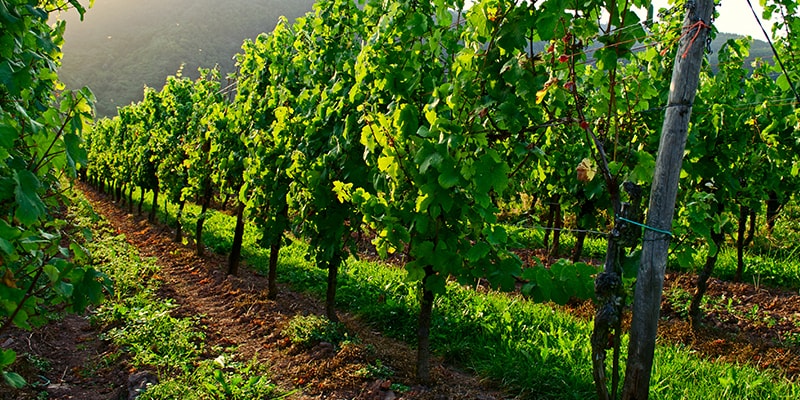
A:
[308,330]
[142,327]
[533,238]
[533,350]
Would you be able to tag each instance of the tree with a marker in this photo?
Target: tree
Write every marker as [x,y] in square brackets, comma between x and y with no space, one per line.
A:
[435,171]
[202,130]
[329,141]
[267,77]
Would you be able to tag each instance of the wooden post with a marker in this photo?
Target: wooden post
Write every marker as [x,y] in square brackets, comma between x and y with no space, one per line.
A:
[650,282]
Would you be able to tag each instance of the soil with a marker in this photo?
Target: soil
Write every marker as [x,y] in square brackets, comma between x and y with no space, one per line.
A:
[235,314]
[743,323]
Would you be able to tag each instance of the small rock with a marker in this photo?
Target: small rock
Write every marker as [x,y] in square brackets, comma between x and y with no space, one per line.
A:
[57,386]
[139,382]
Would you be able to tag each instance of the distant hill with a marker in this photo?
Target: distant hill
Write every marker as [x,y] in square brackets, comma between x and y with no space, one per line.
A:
[123,45]
[758,49]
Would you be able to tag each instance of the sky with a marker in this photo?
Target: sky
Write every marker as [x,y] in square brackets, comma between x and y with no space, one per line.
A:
[734,17]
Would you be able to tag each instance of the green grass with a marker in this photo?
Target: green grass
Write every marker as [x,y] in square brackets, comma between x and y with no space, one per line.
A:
[771,261]
[142,327]
[532,350]
[533,238]
[308,330]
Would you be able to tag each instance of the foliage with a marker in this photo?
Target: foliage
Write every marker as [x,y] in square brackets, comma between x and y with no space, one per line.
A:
[219,378]
[42,260]
[560,282]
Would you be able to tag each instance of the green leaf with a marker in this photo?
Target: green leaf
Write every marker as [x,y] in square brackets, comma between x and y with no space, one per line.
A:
[423,252]
[65,288]
[490,174]
[434,159]
[449,177]
[7,136]
[29,205]
[407,120]
[6,246]
[645,167]
[544,285]
[14,380]
[76,154]
[384,163]
[685,256]
[478,251]
[497,235]
[79,253]
[52,272]
[436,284]
[630,264]
[7,357]
[783,82]
[21,320]
[418,24]
[415,272]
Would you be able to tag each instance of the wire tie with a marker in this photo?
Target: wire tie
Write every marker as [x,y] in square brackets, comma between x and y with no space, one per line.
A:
[668,233]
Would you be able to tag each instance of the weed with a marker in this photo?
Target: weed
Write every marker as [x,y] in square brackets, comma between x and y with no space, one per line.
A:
[752,314]
[220,378]
[399,388]
[153,337]
[312,329]
[680,299]
[377,370]
[38,363]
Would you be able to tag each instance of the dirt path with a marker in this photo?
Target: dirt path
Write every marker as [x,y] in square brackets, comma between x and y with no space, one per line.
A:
[236,313]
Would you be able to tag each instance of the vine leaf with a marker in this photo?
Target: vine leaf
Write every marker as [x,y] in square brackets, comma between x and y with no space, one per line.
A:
[645,166]
[449,177]
[76,154]
[31,207]
[14,380]
[7,136]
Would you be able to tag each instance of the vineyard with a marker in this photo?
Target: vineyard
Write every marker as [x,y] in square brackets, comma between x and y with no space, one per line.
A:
[471,182]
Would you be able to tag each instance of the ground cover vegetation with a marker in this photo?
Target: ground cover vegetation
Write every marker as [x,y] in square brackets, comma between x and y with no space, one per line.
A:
[416,125]
[497,335]
[168,352]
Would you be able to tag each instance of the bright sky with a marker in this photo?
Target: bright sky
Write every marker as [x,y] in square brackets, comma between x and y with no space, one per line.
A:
[734,17]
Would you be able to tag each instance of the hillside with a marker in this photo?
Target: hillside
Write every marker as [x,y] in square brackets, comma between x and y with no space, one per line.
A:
[758,49]
[123,45]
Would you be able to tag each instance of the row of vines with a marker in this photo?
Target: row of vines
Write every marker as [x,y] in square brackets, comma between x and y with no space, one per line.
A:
[42,262]
[419,123]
